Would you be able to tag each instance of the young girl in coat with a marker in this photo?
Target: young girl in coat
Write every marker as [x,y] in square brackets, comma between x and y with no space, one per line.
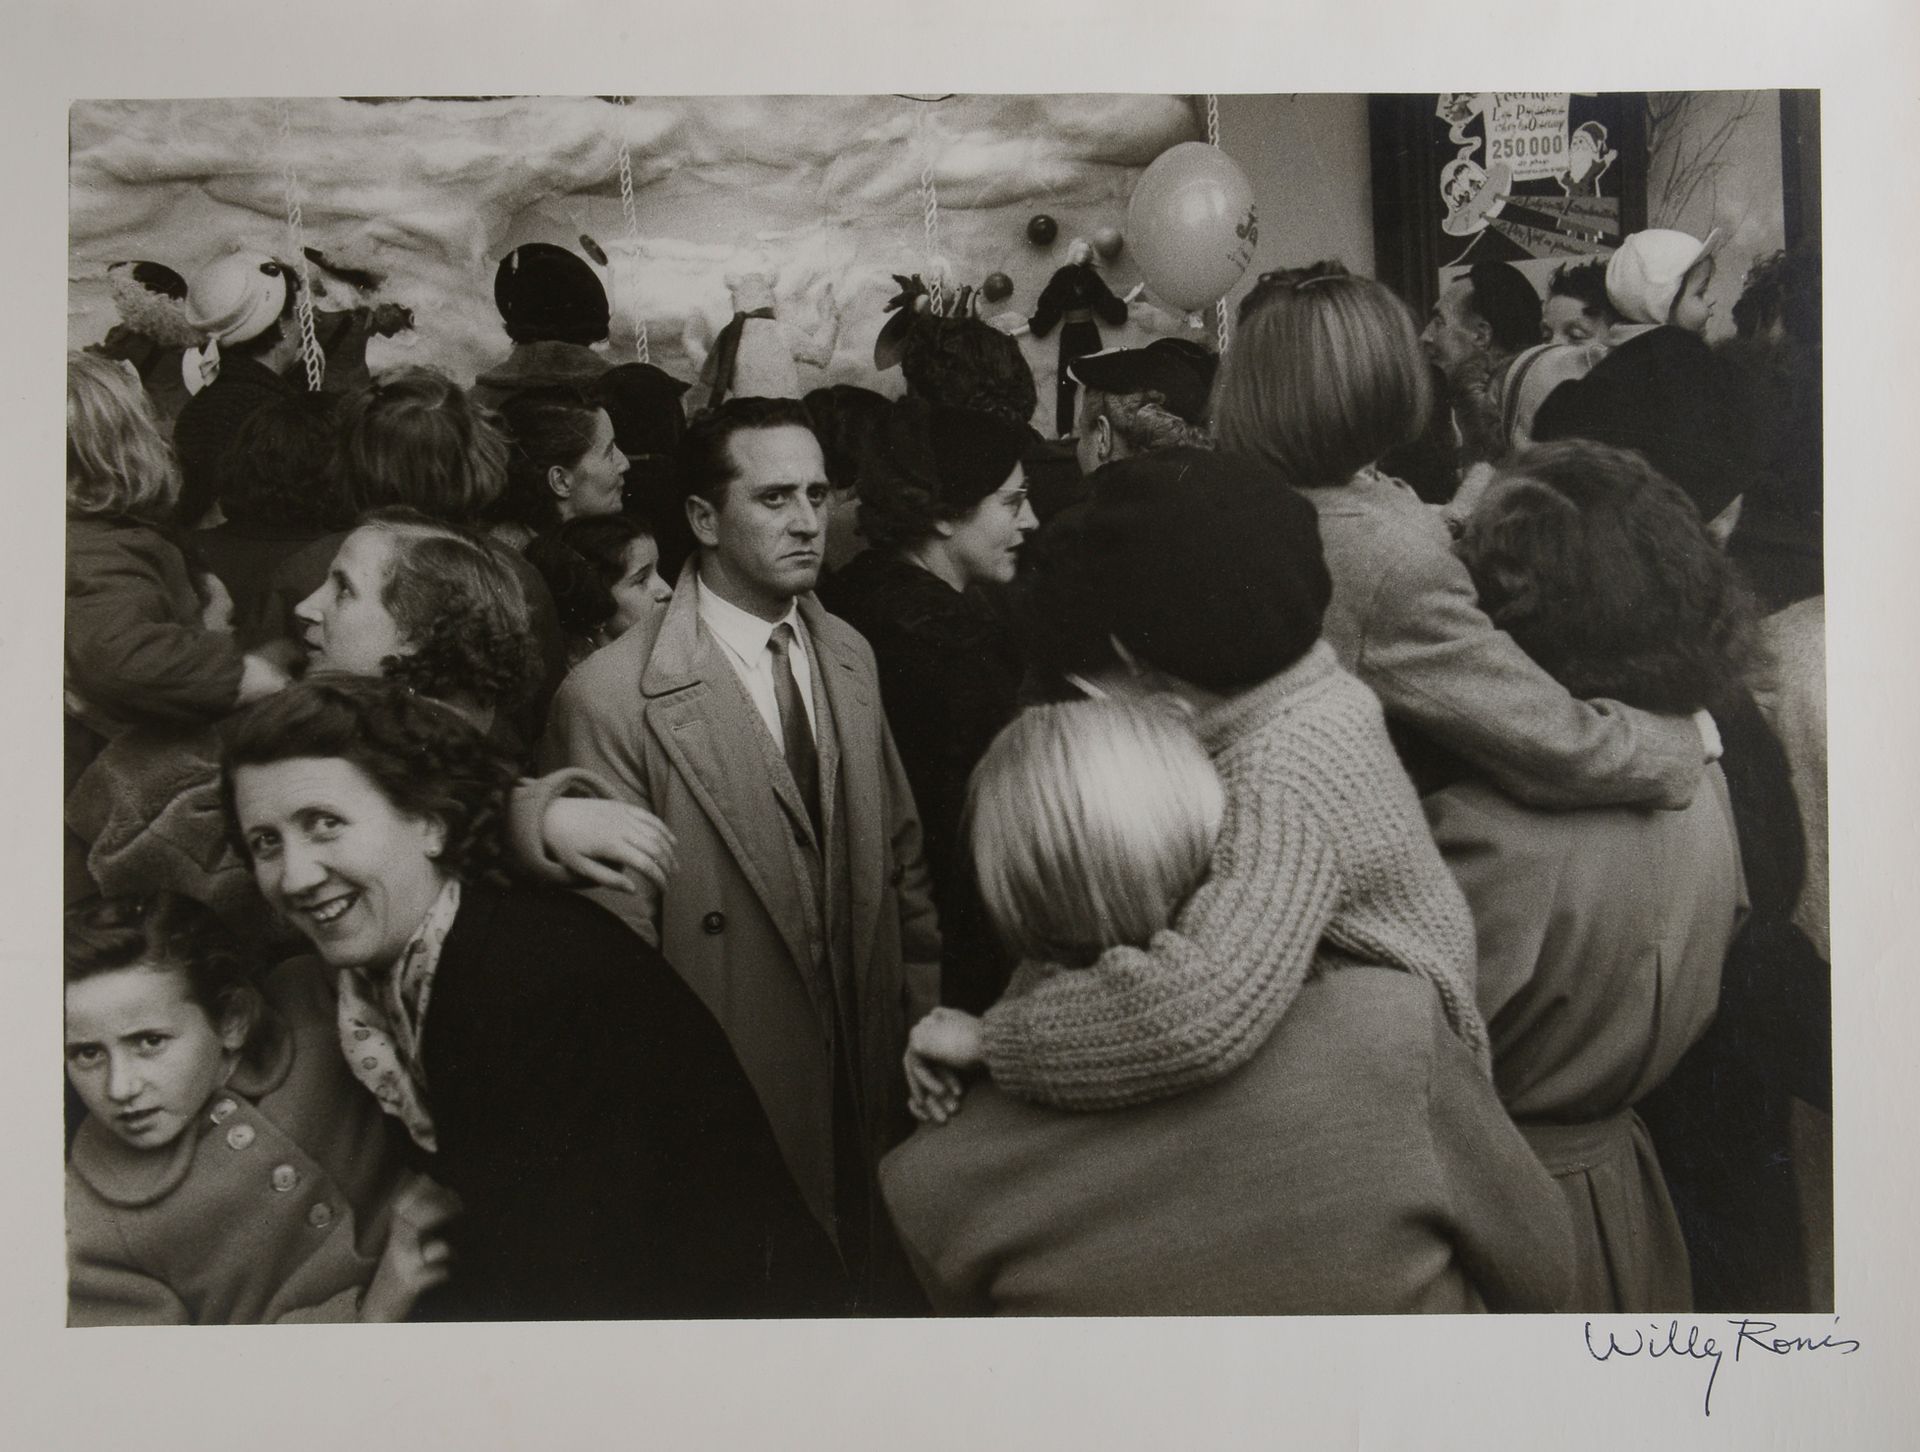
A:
[230,1169]
[138,648]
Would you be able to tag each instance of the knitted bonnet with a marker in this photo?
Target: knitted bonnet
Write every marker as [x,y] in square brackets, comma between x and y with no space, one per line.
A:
[1644,275]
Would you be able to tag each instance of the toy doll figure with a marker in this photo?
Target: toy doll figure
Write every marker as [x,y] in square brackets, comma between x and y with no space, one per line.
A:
[1075,296]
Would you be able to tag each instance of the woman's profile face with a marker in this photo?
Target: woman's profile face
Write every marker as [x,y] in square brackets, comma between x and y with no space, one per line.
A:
[985,544]
[595,480]
[337,858]
[344,624]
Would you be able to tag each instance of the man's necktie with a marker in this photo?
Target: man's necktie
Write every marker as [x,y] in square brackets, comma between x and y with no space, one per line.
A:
[796,736]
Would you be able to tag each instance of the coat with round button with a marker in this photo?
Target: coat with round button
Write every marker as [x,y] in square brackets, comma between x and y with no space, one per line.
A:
[663,719]
[274,1205]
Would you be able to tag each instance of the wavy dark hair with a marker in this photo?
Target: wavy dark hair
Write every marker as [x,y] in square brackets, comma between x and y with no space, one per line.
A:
[544,427]
[458,602]
[424,758]
[170,932]
[707,464]
[1601,569]
[279,470]
[930,464]
[416,438]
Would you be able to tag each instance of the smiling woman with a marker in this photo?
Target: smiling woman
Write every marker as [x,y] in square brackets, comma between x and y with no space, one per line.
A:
[373,820]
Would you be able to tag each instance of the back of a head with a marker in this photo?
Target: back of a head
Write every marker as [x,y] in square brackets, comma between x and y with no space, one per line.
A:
[1602,571]
[1325,375]
[458,601]
[546,294]
[1203,564]
[847,420]
[118,462]
[1503,296]
[279,469]
[415,438]
[1091,822]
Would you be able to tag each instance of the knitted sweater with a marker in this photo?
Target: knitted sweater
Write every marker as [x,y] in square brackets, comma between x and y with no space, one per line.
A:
[1323,848]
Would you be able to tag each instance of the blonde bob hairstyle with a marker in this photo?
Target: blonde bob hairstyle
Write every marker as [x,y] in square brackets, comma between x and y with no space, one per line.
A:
[1091,823]
[1325,375]
[118,461]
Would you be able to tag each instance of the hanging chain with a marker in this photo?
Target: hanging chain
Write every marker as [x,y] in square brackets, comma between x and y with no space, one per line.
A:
[310,355]
[1220,308]
[633,240]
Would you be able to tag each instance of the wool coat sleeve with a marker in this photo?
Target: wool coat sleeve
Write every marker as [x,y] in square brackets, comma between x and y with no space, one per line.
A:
[1200,1000]
[590,735]
[134,644]
[919,922]
[1508,1219]
[104,1286]
[1440,665]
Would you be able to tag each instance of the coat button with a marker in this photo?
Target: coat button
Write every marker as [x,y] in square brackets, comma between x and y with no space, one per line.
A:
[320,1216]
[223,1110]
[240,1136]
[285,1177]
[713,923]
[897,876]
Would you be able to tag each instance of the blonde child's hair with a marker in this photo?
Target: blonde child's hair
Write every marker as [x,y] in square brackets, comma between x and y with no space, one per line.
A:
[118,461]
[1091,822]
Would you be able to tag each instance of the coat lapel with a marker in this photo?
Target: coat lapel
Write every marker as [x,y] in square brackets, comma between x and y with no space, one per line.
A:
[844,687]
[708,727]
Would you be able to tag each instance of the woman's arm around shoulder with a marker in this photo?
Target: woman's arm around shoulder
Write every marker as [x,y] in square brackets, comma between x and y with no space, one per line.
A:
[1440,665]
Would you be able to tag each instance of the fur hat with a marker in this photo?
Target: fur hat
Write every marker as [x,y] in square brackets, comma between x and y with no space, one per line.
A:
[547,294]
[1207,566]
[1644,275]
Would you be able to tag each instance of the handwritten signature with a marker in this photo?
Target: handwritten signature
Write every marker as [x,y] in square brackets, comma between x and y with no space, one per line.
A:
[1749,1335]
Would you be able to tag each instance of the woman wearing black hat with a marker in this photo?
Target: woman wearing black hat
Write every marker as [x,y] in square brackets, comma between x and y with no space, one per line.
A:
[944,507]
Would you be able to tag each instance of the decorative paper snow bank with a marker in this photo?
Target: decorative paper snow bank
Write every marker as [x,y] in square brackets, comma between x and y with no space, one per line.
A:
[821,192]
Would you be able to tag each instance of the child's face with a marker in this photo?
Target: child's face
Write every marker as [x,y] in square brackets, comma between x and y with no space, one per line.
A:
[142,1055]
[1691,310]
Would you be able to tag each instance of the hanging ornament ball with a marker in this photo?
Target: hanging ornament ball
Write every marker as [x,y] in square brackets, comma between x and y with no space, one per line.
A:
[1192,225]
[1107,242]
[998,286]
[1042,230]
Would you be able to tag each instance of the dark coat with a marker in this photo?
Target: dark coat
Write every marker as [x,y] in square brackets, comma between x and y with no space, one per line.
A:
[1665,394]
[949,680]
[611,1156]
[204,431]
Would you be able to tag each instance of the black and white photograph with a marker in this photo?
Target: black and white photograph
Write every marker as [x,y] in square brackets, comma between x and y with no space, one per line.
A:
[826,722]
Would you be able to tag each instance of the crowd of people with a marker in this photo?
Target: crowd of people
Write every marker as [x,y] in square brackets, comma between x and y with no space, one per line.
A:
[1341,831]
